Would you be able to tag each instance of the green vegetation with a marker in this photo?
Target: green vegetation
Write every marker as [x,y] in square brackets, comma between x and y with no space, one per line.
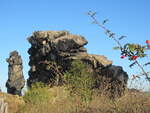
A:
[77,96]
[61,101]
[80,81]
[38,93]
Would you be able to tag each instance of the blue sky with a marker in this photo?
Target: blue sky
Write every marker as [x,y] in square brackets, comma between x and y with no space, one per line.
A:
[19,18]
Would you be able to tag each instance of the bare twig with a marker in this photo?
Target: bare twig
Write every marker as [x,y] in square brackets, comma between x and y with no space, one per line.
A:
[144,72]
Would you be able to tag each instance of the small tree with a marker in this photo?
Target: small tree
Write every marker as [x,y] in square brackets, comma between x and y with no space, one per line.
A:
[79,80]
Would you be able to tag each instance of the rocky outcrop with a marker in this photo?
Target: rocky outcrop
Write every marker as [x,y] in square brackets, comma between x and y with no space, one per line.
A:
[16,80]
[52,52]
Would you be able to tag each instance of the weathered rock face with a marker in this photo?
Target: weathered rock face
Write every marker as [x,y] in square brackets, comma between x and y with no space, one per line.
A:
[52,52]
[116,73]
[16,80]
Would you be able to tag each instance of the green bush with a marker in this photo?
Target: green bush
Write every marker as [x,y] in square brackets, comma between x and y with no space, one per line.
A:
[38,93]
[79,80]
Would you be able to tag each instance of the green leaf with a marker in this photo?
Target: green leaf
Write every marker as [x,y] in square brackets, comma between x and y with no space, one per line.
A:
[131,47]
[116,48]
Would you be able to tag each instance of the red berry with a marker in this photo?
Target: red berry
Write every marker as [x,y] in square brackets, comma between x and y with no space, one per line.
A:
[134,57]
[123,56]
[147,41]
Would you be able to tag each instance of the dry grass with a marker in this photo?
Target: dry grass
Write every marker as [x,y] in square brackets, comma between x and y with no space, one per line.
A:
[13,102]
[129,103]
[62,102]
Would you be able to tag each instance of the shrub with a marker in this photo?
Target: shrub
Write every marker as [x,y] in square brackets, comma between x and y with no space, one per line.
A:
[62,102]
[79,80]
[38,93]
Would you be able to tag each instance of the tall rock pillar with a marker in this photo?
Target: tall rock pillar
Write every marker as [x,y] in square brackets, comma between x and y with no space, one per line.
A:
[16,80]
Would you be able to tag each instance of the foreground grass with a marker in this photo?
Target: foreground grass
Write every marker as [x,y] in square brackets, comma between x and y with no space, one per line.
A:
[60,101]
[13,101]
[78,96]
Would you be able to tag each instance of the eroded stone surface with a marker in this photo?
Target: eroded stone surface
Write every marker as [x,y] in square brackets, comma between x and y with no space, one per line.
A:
[16,80]
[52,52]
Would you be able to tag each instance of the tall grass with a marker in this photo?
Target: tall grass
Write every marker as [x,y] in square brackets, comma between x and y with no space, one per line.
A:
[60,101]
[3,106]
[78,96]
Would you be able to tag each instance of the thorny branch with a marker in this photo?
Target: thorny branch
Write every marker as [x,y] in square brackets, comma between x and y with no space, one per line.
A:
[112,35]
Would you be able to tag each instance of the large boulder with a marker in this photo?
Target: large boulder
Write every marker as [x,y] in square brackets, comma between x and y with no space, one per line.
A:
[16,80]
[52,52]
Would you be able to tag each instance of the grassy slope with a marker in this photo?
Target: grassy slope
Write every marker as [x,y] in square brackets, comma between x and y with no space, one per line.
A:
[13,102]
[61,102]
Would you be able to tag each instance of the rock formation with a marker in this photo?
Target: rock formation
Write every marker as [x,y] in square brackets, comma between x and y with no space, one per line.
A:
[52,52]
[16,80]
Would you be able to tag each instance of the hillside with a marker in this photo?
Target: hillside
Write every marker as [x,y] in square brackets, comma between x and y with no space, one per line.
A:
[61,102]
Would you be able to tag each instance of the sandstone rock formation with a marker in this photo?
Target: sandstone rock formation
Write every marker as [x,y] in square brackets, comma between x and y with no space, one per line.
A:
[16,80]
[52,52]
